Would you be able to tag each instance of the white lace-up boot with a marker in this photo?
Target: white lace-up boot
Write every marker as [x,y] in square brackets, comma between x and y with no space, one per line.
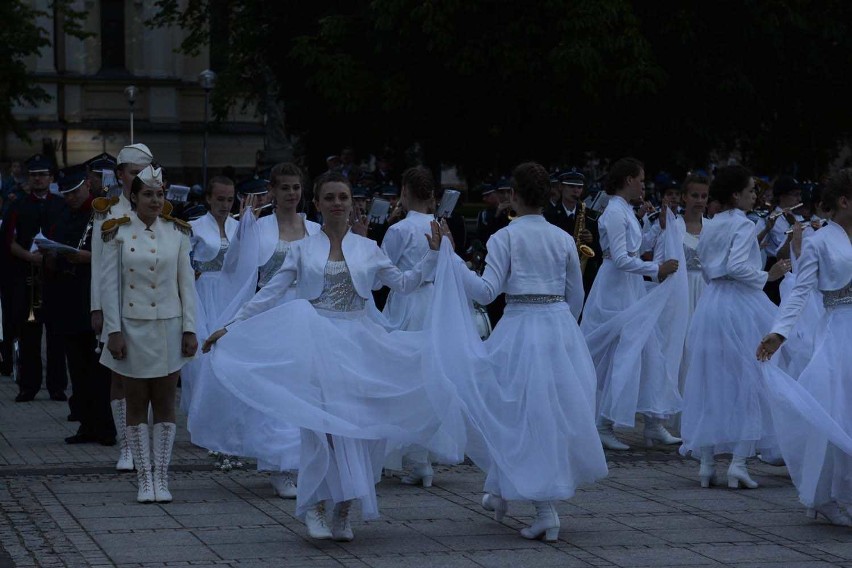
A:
[164,439]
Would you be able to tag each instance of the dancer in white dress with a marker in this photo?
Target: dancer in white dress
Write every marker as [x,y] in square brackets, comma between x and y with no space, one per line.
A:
[530,387]
[694,194]
[820,469]
[255,254]
[211,236]
[322,363]
[621,320]
[149,317]
[725,411]
[405,246]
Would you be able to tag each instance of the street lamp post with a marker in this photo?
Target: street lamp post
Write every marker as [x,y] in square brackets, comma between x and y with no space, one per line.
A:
[131,93]
[206,79]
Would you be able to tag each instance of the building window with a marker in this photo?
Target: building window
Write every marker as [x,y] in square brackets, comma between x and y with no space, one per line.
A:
[112,35]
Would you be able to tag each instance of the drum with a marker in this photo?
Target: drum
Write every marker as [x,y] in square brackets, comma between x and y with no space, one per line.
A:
[480,319]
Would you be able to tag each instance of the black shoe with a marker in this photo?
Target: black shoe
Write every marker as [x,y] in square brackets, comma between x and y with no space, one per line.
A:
[25,397]
[58,396]
[106,440]
[79,438]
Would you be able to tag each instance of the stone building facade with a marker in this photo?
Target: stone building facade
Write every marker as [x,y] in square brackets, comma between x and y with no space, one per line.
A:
[89,111]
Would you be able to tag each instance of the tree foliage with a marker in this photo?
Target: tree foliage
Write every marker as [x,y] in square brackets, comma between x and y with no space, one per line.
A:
[485,83]
[20,37]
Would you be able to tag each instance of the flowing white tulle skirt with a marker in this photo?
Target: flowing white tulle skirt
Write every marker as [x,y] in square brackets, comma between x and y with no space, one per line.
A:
[621,324]
[206,299]
[813,418]
[724,404]
[409,312]
[528,390]
[802,342]
[351,386]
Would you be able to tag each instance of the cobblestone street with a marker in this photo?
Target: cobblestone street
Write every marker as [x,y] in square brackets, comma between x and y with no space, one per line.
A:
[65,506]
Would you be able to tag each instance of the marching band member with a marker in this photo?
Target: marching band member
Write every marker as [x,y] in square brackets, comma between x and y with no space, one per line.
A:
[149,318]
[322,363]
[725,411]
[530,387]
[565,213]
[821,471]
[37,212]
[67,308]
[636,362]
[131,160]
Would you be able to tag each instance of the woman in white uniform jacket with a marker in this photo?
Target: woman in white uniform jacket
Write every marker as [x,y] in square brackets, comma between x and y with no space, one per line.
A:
[322,363]
[821,470]
[149,316]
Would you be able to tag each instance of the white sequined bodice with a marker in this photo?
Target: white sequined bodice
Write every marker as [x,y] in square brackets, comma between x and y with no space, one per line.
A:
[338,292]
[268,270]
[214,265]
[690,251]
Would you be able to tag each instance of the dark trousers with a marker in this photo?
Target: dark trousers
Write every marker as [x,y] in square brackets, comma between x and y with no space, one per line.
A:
[90,383]
[8,330]
[29,340]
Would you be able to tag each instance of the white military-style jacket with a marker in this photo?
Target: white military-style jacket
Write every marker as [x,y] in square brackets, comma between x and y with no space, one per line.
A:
[104,208]
[369,267]
[146,272]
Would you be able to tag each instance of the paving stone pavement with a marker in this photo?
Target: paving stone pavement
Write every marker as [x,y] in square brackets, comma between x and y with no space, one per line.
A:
[65,506]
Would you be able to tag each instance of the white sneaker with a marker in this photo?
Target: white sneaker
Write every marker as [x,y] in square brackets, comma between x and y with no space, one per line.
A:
[284,484]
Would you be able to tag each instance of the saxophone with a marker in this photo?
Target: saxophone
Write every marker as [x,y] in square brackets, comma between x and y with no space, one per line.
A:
[586,252]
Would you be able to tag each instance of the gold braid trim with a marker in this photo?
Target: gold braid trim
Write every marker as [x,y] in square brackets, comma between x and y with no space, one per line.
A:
[102,205]
[179,224]
[110,227]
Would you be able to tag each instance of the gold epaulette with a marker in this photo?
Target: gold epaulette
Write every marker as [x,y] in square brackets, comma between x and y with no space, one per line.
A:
[179,224]
[167,209]
[102,205]
[110,227]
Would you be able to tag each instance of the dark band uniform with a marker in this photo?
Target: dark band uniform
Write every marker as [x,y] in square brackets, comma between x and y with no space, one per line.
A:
[566,220]
[67,310]
[23,221]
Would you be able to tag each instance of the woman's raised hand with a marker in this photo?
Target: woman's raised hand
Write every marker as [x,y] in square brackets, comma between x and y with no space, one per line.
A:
[438,230]
[214,337]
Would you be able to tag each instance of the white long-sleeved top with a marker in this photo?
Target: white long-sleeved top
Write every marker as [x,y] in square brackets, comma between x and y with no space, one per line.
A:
[405,243]
[621,238]
[147,275]
[305,264]
[728,249]
[120,209]
[529,256]
[206,239]
[825,264]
